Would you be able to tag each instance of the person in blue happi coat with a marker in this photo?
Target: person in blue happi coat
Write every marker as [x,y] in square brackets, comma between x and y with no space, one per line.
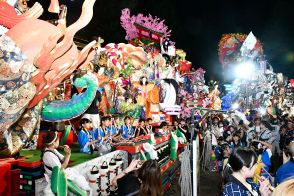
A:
[127,130]
[104,136]
[103,132]
[86,137]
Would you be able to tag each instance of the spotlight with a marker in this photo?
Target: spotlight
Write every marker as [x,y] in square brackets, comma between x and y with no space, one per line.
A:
[235,106]
[244,70]
[262,111]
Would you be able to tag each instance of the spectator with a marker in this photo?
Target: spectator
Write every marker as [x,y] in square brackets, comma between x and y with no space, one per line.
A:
[286,171]
[264,150]
[265,133]
[283,132]
[237,140]
[290,133]
[243,164]
[285,189]
[227,171]
[140,179]
[254,131]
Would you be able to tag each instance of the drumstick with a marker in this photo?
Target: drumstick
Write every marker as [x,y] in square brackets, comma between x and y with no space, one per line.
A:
[63,147]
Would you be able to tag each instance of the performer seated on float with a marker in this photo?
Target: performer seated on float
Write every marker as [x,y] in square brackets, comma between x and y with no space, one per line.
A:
[86,137]
[184,128]
[104,135]
[140,129]
[148,126]
[163,129]
[175,126]
[127,130]
[52,158]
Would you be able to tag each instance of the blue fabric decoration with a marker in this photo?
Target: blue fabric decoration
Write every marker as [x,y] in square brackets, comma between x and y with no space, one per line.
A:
[116,106]
[227,100]
[143,114]
[188,85]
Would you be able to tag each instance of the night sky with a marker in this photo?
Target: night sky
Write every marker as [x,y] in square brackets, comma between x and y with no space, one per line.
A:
[198,28]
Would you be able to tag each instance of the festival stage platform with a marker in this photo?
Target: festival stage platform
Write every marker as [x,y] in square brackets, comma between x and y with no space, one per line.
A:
[31,156]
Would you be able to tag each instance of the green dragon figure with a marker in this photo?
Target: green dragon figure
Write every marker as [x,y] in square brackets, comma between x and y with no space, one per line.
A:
[64,110]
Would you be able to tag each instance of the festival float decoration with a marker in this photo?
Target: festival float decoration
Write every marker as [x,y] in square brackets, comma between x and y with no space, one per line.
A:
[78,104]
[146,27]
[10,15]
[261,88]
[41,69]
[93,178]
[141,79]
[194,93]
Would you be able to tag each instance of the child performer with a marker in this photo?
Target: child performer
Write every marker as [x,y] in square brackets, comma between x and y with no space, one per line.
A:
[86,137]
[149,125]
[140,129]
[127,130]
[103,133]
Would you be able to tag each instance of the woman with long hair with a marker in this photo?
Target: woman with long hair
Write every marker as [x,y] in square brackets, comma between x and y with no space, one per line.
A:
[140,179]
[243,164]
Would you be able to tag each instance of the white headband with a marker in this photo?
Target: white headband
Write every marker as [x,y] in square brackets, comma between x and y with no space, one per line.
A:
[53,139]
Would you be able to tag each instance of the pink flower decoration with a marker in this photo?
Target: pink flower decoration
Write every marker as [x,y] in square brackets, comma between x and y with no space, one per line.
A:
[153,23]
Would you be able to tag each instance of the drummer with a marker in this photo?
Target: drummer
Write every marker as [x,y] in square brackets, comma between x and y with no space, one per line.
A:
[140,128]
[127,130]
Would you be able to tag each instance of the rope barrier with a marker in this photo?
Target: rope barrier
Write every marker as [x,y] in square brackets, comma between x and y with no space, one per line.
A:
[185,180]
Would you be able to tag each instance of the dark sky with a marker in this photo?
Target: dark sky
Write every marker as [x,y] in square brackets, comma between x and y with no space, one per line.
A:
[197,26]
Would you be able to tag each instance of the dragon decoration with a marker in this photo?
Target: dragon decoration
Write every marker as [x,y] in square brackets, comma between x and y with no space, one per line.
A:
[33,62]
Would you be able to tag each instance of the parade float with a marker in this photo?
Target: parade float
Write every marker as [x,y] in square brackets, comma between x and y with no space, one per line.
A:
[141,79]
[147,77]
[255,85]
